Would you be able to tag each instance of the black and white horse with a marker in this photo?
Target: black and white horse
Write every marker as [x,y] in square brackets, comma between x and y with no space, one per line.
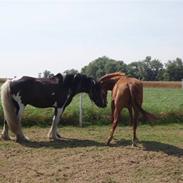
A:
[56,92]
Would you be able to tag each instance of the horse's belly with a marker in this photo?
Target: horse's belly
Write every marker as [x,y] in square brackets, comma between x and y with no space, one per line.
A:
[42,102]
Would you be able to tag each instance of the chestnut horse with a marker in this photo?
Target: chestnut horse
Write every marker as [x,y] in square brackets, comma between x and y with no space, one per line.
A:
[127,92]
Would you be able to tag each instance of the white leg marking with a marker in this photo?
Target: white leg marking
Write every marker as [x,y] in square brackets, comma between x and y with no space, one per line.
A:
[53,130]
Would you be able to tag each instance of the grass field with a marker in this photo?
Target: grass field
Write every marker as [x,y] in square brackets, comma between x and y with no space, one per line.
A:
[167,104]
[82,155]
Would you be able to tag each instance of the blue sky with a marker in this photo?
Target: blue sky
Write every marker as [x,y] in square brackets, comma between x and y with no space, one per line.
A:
[60,35]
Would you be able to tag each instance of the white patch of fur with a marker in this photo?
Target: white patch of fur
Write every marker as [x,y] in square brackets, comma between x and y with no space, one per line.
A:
[53,93]
[94,82]
[17,98]
[55,104]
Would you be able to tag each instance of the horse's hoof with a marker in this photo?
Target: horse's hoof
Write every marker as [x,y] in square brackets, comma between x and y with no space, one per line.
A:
[20,140]
[134,145]
[135,142]
[108,142]
[55,139]
[58,135]
[5,137]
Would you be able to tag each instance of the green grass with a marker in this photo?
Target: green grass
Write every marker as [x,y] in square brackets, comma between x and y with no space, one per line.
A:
[167,104]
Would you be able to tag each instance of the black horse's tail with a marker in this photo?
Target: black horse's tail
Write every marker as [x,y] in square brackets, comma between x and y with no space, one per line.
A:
[137,105]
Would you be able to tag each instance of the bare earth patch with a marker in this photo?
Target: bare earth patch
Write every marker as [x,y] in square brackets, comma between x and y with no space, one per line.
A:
[82,156]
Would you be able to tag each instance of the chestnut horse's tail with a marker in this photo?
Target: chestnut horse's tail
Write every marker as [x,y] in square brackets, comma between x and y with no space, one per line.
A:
[137,104]
[9,107]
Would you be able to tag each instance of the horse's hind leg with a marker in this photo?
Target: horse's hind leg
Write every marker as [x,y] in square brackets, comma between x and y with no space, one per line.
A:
[17,128]
[112,110]
[135,123]
[5,135]
[130,115]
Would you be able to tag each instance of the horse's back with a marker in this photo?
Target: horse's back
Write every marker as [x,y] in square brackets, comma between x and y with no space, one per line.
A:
[39,92]
[125,87]
[136,89]
[121,93]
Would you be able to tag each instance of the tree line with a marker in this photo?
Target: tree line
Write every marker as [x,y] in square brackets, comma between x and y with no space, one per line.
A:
[147,69]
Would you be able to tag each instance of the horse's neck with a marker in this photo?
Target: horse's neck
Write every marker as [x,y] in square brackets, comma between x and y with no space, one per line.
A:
[110,82]
[82,86]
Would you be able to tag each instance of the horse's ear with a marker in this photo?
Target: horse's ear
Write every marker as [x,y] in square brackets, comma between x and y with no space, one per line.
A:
[60,77]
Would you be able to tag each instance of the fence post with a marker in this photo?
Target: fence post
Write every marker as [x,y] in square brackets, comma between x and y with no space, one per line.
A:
[182,83]
[81,111]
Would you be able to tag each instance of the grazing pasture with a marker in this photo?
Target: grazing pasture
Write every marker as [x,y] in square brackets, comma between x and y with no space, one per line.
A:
[166,103]
[82,155]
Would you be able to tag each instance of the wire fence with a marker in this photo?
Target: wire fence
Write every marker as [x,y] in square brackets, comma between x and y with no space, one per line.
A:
[170,96]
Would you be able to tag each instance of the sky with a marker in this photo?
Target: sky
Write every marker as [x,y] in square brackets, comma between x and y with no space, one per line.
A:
[39,35]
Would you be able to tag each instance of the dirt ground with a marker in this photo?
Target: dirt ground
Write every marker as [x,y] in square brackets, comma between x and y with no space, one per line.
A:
[83,157]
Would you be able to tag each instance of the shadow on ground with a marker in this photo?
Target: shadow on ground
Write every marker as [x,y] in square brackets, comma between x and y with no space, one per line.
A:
[73,143]
[166,148]
[155,146]
[64,143]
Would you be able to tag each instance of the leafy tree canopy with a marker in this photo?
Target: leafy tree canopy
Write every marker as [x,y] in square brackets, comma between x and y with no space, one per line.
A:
[102,66]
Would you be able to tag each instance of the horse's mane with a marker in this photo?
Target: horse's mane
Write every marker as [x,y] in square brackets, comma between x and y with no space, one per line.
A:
[111,76]
[109,80]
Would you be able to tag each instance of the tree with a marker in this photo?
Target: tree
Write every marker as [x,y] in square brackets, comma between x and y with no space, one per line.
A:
[147,69]
[102,66]
[152,69]
[47,74]
[174,70]
[135,69]
[71,71]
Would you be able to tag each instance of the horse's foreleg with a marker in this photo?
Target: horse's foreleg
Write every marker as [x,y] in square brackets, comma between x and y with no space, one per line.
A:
[5,135]
[114,124]
[53,133]
[135,123]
